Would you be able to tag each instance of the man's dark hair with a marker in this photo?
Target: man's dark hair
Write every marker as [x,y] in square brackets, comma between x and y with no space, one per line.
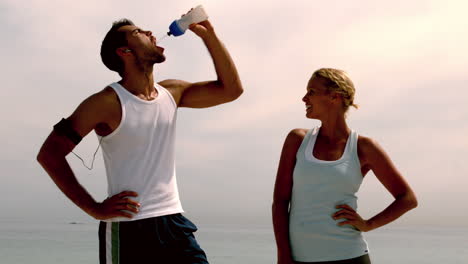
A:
[113,40]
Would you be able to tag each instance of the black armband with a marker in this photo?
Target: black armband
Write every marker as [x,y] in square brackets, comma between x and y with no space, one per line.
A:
[64,128]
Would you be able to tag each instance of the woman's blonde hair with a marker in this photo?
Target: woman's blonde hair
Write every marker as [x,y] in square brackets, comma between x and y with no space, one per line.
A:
[339,82]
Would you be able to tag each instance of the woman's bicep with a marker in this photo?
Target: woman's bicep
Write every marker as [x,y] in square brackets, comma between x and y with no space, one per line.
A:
[385,170]
[284,176]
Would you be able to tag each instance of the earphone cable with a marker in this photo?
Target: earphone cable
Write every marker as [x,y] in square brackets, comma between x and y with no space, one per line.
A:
[94,156]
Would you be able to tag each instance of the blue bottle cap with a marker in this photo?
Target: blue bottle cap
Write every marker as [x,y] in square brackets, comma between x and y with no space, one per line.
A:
[175,30]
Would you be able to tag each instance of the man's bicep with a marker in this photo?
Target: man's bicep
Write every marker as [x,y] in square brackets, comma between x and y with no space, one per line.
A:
[67,133]
[204,94]
[87,115]
[56,144]
[199,94]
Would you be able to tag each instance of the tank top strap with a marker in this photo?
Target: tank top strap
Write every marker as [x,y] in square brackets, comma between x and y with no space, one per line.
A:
[353,144]
[305,143]
[120,91]
[166,92]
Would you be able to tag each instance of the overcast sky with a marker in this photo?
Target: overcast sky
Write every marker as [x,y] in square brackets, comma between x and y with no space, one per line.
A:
[408,60]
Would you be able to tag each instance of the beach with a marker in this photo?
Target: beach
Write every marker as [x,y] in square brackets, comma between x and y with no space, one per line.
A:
[24,241]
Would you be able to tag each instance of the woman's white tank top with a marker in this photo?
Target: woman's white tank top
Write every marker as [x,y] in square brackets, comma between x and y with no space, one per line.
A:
[318,186]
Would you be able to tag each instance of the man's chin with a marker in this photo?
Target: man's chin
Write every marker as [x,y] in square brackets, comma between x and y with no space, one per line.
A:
[160,59]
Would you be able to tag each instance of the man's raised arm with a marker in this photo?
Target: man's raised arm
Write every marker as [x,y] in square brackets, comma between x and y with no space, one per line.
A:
[225,89]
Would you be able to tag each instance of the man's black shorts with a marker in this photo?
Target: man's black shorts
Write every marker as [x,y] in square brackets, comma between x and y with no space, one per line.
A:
[163,239]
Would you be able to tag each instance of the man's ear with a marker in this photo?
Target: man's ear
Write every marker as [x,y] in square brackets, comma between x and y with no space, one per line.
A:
[123,51]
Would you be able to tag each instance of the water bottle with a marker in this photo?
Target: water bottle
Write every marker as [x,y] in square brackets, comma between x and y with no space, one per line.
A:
[179,26]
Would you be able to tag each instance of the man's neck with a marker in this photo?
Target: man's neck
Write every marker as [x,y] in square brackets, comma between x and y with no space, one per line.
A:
[139,83]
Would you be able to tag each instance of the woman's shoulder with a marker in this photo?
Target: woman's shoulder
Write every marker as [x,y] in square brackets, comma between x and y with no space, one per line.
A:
[368,147]
[366,142]
[295,137]
[298,133]
[292,142]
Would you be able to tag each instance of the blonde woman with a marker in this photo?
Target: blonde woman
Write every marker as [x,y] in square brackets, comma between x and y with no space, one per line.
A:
[320,170]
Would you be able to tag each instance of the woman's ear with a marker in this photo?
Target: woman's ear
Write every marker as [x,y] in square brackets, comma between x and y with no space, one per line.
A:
[336,97]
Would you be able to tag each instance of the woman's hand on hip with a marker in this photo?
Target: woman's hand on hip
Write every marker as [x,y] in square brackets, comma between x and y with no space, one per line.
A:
[351,218]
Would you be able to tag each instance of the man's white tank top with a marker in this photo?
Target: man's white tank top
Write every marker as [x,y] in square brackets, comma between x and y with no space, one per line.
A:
[318,186]
[139,155]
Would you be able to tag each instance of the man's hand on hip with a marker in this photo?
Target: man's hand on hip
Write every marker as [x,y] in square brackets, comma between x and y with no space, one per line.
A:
[119,205]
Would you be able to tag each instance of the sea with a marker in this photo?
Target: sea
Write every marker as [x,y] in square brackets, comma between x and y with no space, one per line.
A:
[54,242]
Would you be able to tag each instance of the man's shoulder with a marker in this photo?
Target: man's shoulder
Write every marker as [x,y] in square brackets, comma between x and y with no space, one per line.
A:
[108,93]
[103,97]
[173,83]
[100,102]
[175,87]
